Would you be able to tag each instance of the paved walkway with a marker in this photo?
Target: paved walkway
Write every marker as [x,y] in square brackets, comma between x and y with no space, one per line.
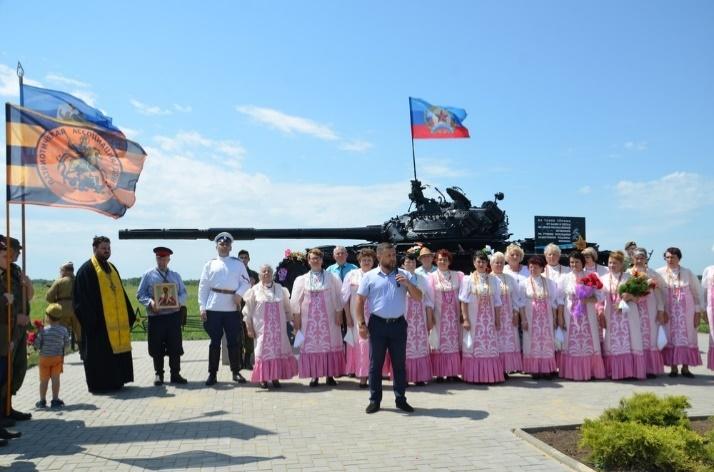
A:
[455,427]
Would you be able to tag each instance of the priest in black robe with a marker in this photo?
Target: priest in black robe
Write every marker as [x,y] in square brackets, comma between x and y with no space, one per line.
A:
[106,352]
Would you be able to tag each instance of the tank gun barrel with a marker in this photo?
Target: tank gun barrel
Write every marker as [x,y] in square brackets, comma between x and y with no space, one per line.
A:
[368,233]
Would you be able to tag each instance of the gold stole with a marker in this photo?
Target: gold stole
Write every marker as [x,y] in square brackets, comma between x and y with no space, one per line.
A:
[115,309]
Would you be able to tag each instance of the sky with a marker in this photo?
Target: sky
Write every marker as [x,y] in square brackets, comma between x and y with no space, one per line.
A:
[279,114]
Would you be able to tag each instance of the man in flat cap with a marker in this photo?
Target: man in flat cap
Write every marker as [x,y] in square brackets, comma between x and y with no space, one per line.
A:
[106,315]
[163,293]
[21,319]
[223,282]
[61,292]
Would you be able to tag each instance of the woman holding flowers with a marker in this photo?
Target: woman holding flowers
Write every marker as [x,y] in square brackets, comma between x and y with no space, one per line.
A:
[445,284]
[651,307]
[538,320]
[624,358]
[267,305]
[507,338]
[581,358]
[708,289]
[420,319]
[358,351]
[480,298]
[683,307]
[316,304]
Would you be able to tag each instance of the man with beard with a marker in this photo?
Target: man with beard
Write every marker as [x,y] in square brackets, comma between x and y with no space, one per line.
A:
[386,287]
[106,316]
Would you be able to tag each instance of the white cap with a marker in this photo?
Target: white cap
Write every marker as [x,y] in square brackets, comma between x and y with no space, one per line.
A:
[223,235]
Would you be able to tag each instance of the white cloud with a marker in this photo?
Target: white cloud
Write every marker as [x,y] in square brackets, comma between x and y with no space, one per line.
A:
[674,194]
[635,145]
[356,145]
[437,168]
[182,108]
[585,190]
[9,84]
[89,98]
[57,78]
[149,110]
[130,133]
[288,124]
[193,144]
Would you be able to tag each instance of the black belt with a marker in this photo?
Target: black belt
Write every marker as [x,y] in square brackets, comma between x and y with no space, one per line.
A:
[388,320]
[224,291]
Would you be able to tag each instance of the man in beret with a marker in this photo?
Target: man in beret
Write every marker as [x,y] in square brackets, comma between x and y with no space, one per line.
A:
[223,282]
[164,315]
[21,320]
[61,292]
[106,315]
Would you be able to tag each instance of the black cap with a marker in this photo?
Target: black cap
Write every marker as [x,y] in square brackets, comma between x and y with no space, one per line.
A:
[162,251]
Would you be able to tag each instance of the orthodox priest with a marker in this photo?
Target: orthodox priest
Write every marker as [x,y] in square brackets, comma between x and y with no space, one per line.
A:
[106,316]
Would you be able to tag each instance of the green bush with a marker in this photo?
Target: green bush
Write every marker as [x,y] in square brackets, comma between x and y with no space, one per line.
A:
[649,409]
[650,434]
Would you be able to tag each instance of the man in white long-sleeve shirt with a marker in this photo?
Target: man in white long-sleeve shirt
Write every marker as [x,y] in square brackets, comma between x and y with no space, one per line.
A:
[223,282]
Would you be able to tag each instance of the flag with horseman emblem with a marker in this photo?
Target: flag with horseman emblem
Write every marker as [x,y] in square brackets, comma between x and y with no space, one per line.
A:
[74,164]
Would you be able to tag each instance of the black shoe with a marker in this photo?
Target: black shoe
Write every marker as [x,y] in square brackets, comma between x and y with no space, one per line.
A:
[264,385]
[331,381]
[651,376]
[440,380]
[158,380]
[352,376]
[40,404]
[5,434]
[363,385]
[276,384]
[177,379]
[373,407]
[315,382]
[56,403]
[419,384]
[673,373]
[6,422]
[687,374]
[211,380]
[19,416]
[238,378]
[404,406]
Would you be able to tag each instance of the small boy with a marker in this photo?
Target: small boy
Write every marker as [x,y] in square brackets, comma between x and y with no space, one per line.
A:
[51,342]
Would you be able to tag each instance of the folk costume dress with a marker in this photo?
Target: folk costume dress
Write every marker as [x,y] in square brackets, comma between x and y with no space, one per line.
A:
[266,310]
[507,337]
[580,358]
[540,300]
[358,354]
[317,299]
[649,306]
[523,272]
[624,358]
[682,301]
[446,359]
[418,358]
[481,362]
[708,291]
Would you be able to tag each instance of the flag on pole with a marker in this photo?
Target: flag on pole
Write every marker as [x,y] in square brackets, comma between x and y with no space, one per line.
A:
[436,122]
[61,163]
[64,106]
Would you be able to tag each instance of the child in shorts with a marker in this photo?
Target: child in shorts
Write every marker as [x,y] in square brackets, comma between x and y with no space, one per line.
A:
[51,341]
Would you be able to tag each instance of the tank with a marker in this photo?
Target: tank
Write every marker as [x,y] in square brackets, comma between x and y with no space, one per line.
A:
[452,223]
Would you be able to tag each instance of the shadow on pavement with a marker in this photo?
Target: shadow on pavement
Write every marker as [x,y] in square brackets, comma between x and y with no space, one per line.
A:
[474,415]
[20,466]
[189,460]
[62,438]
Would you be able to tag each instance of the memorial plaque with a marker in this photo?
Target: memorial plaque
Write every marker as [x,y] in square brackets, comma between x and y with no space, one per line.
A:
[560,230]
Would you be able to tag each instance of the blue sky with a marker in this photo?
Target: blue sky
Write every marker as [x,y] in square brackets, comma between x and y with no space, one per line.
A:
[295,114]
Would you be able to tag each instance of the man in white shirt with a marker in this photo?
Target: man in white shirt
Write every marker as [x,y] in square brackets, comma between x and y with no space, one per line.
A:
[223,282]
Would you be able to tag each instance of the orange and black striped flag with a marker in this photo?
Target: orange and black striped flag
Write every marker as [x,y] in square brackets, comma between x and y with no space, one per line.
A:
[69,164]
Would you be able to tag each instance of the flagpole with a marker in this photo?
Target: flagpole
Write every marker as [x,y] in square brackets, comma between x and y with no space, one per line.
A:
[411,130]
[8,277]
[21,75]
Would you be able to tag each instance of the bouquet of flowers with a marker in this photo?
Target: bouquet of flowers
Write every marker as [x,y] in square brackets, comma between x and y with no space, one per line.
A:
[585,288]
[638,285]
[34,328]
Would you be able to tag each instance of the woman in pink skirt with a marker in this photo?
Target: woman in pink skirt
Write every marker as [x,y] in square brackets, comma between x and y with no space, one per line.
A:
[445,285]
[480,298]
[420,319]
[316,304]
[538,320]
[683,307]
[358,352]
[507,338]
[623,354]
[708,290]
[580,358]
[267,305]
[651,313]
[514,256]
